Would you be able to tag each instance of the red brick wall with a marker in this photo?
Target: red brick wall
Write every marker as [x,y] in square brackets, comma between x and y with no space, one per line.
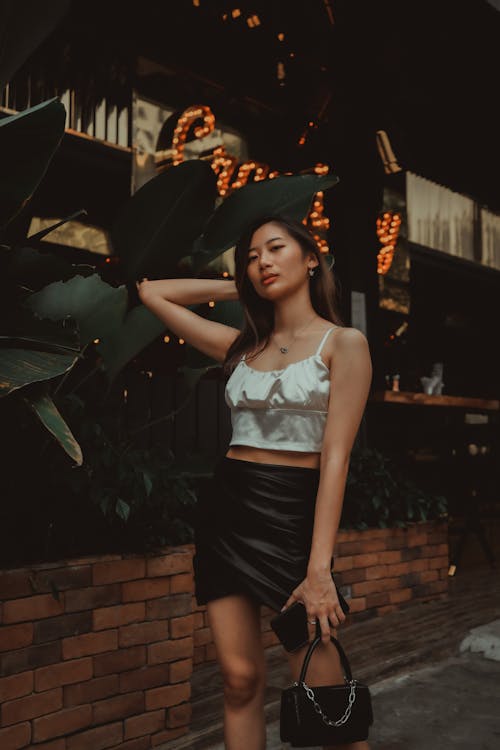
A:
[377,570]
[98,651]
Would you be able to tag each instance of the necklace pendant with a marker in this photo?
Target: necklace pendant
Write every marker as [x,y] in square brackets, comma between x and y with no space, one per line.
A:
[284,349]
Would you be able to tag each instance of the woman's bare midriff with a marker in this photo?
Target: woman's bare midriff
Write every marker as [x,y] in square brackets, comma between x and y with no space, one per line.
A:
[267,456]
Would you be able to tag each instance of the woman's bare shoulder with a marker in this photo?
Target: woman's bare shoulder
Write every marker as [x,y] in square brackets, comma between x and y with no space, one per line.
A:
[345,341]
[350,336]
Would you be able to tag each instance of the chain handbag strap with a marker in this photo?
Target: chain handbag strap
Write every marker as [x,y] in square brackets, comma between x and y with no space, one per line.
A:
[319,710]
[347,678]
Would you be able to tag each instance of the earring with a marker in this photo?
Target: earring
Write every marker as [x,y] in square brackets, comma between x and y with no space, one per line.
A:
[311,272]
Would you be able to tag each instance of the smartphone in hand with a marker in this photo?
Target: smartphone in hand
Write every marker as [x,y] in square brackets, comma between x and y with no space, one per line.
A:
[291,627]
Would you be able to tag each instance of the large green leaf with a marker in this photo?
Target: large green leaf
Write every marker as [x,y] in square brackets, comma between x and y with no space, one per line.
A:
[160,222]
[28,142]
[100,311]
[97,307]
[289,196]
[24,328]
[50,417]
[34,269]
[19,367]
[24,24]
[139,328]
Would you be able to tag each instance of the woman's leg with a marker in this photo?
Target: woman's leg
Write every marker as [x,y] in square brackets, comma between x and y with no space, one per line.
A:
[235,624]
[324,668]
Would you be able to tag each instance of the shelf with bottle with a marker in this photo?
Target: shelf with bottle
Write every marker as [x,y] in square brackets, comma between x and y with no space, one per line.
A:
[395,357]
[426,399]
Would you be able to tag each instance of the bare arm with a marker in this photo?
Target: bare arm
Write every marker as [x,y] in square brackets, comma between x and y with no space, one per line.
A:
[168,298]
[350,380]
[350,385]
[187,291]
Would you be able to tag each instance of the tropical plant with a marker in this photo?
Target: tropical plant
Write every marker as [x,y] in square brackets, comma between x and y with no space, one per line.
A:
[66,334]
[380,494]
[81,318]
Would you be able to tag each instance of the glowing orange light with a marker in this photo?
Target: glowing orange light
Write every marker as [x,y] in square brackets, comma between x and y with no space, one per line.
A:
[224,166]
[316,221]
[388,226]
[231,175]
[184,124]
[321,169]
[253,21]
[246,169]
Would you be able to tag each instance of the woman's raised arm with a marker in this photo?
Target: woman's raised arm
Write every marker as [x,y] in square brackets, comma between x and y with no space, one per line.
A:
[187,291]
[167,299]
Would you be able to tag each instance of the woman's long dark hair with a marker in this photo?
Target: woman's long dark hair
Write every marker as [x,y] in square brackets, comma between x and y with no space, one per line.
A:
[259,312]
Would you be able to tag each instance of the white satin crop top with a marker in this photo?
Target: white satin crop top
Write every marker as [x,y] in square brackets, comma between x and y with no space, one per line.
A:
[280,409]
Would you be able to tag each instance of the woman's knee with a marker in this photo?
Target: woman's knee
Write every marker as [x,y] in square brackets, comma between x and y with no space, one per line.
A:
[236,628]
[243,682]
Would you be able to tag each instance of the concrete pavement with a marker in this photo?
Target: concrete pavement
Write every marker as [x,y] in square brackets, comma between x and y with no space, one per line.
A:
[392,654]
[454,705]
[450,705]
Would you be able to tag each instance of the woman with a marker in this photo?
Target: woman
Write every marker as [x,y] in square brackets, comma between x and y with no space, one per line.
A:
[297,392]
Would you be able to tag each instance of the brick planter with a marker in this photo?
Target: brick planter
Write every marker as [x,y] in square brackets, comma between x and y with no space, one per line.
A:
[97,652]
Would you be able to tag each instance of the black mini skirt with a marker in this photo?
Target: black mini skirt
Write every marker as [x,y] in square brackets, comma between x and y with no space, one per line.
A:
[253,531]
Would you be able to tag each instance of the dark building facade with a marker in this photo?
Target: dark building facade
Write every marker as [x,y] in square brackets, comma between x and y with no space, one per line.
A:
[392,100]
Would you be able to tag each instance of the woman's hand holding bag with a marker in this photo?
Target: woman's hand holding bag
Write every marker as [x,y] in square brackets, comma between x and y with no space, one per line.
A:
[323,602]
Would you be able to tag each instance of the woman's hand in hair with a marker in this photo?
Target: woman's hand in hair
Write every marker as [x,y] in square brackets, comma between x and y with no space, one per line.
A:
[142,287]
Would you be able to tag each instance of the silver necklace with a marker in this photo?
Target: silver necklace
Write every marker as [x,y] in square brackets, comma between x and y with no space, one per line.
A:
[284,349]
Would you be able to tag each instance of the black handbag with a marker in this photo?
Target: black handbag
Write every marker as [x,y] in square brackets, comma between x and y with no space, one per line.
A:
[327,714]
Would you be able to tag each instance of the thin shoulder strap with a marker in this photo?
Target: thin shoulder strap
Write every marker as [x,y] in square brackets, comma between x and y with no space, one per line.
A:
[323,341]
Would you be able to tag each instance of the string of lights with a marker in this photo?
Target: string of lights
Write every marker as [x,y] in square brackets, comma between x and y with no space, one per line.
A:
[388,226]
